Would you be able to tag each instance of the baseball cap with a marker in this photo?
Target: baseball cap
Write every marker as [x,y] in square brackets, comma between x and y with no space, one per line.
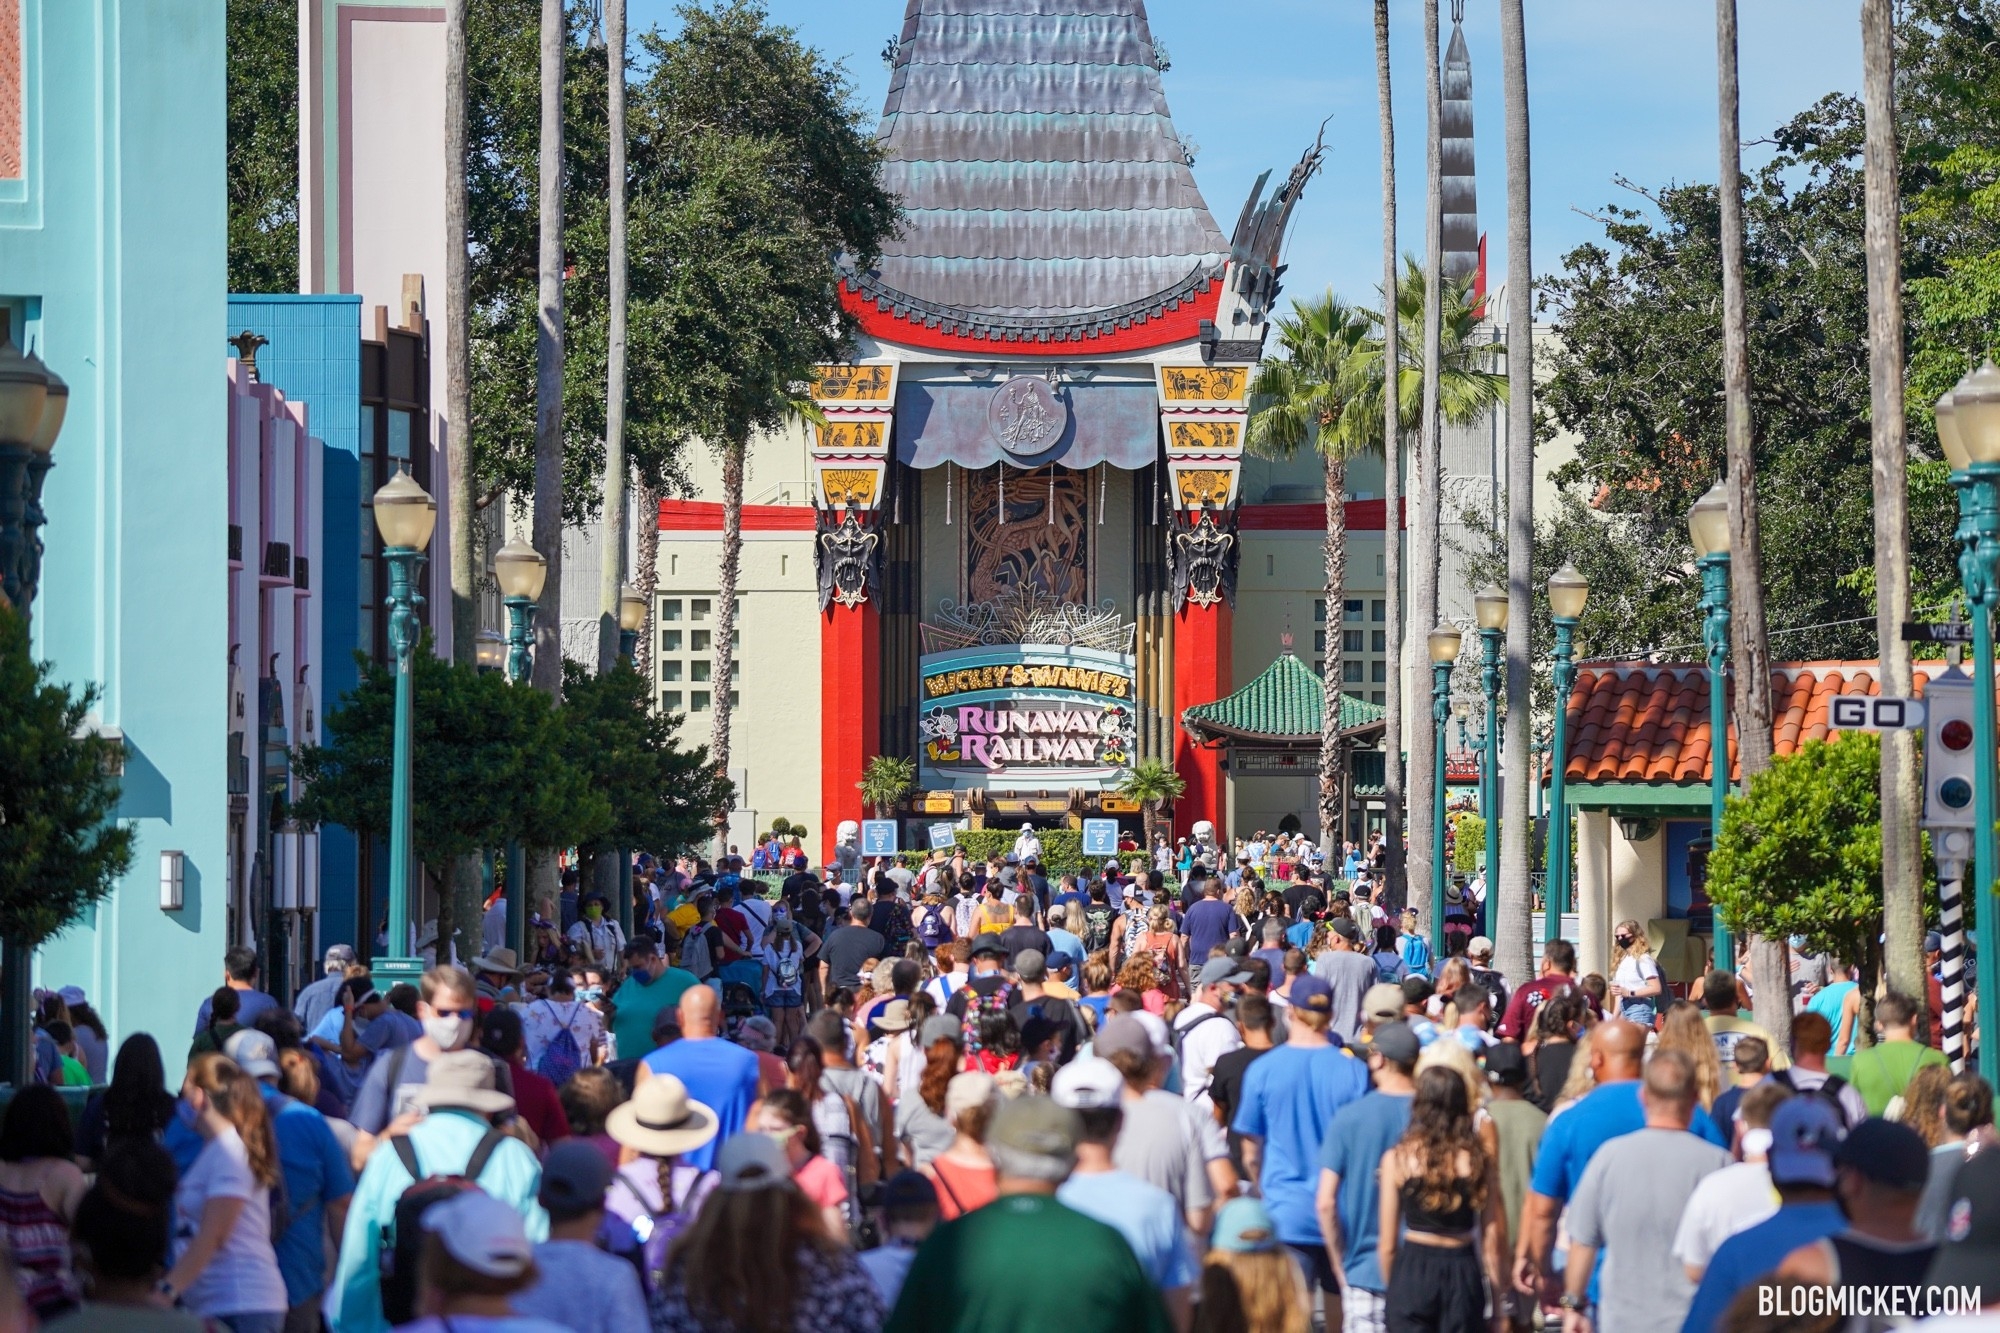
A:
[1345,928]
[1031,965]
[1506,1065]
[1157,1033]
[574,1178]
[940,1027]
[254,1052]
[750,1161]
[1236,947]
[1089,1084]
[1397,1041]
[484,1233]
[967,1090]
[1059,960]
[1804,1133]
[1970,1255]
[1887,1153]
[1034,1127]
[1383,1002]
[1311,992]
[907,1190]
[71,995]
[1124,1033]
[1933,942]
[1218,970]
[1244,1226]
[1479,947]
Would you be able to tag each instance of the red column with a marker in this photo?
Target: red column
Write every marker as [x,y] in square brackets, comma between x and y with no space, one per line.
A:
[1201,675]
[850,711]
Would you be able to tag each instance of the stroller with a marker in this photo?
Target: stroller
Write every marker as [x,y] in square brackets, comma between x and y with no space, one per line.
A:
[739,1003]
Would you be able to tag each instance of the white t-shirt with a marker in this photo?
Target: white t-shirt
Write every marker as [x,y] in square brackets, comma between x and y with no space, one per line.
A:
[1202,1044]
[792,961]
[1635,971]
[1734,1199]
[243,1277]
[542,1020]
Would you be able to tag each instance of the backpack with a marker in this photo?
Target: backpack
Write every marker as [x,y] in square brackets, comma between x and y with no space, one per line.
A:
[561,1057]
[1828,1092]
[976,1006]
[695,955]
[788,964]
[402,1243]
[1178,1035]
[1097,920]
[931,928]
[657,1230]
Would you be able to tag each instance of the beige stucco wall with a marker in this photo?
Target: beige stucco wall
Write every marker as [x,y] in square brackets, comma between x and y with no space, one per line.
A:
[1617,880]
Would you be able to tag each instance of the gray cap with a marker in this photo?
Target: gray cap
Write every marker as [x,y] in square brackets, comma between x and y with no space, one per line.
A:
[1223,969]
[1397,1042]
[940,1027]
[1036,1127]
[1031,965]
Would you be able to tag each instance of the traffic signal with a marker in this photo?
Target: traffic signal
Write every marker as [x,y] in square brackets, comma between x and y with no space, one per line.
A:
[1950,763]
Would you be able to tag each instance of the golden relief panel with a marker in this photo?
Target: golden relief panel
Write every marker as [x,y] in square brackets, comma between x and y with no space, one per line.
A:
[1204,384]
[1209,436]
[853,436]
[1198,486]
[850,485]
[853,384]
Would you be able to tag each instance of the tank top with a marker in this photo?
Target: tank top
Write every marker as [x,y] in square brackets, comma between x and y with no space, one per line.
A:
[1456,1220]
[962,1188]
[39,1240]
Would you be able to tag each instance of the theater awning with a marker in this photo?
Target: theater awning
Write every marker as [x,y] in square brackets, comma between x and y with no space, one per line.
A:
[1025,422]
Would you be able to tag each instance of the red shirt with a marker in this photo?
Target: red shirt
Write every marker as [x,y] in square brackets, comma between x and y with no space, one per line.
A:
[734,928]
[1520,1019]
[535,1101]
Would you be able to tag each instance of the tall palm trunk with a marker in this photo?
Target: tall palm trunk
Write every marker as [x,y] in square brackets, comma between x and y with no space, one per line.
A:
[1392,481]
[462,906]
[1332,771]
[612,578]
[547,525]
[646,570]
[1902,851]
[1425,482]
[1513,906]
[1750,654]
[734,456]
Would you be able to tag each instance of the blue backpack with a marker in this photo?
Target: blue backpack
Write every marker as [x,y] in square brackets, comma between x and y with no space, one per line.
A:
[562,1057]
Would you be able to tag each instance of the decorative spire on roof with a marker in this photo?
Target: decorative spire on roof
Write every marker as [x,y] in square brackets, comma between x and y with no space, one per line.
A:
[1461,191]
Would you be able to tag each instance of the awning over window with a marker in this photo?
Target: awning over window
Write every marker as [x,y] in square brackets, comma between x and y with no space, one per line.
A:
[1027,426]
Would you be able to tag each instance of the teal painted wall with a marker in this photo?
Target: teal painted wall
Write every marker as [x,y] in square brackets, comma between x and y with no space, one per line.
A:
[114,254]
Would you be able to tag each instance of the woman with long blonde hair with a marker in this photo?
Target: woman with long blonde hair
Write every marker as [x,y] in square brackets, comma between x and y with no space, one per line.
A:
[1440,1189]
[1250,1283]
[224,1266]
[1166,947]
[1684,1031]
[1638,988]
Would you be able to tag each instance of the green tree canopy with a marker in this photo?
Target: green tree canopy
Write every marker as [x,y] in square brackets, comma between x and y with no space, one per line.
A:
[663,798]
[60,847]
[885,781]
[263,145]
[490,763]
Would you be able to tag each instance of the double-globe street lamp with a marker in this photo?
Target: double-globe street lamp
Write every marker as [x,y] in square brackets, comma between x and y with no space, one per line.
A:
[1489,606]
[33,402]
[520,570]
[405,515]
[1708,528]
[1969,429]
[1568,591]
[1443,644]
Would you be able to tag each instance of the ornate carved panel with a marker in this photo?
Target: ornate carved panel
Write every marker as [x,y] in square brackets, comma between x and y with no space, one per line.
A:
[1030,528]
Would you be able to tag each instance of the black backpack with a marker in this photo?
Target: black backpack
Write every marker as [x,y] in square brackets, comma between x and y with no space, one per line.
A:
[1828,1092]
[402,1244]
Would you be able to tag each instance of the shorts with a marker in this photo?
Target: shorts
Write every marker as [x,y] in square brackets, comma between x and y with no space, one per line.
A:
[1363,1311]
[1436,1289]
[1318,1268]
[784,999]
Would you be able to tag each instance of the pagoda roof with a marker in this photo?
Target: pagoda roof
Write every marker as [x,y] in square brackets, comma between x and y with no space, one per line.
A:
[1284,705]
[1046,194]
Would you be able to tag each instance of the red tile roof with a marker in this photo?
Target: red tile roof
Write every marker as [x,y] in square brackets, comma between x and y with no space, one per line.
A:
[1638,722]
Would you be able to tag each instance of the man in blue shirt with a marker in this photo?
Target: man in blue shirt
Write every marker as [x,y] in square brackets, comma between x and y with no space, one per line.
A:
[1208,923]
[1289,1099]
[1804,1133]
[718,1073]
[239,973]
[1348,1203]
[1612,1109]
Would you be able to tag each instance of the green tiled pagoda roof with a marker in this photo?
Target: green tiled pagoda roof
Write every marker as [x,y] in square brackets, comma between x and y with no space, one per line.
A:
[1285,703]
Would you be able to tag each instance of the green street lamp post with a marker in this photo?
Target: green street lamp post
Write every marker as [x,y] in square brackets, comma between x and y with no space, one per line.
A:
[405,514]
[520,570]
[1489,606]
[1708,527]
[1443,644]
[1975,424]
[33,402]
[1568,591]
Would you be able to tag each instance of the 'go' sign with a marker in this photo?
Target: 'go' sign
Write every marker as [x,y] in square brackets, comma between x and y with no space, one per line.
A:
[1859,712]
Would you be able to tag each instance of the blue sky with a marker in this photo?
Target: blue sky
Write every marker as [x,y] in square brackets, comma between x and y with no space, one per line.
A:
[1616,87]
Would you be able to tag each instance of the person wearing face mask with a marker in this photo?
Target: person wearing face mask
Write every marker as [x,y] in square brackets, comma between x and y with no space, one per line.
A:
[652,987]
[448,1009]
[596,937]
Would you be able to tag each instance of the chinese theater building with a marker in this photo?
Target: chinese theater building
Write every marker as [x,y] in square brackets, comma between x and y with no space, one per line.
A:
[1019,549]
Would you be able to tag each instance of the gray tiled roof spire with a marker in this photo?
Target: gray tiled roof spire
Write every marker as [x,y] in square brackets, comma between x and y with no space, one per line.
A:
[1461,190]
[1040,173]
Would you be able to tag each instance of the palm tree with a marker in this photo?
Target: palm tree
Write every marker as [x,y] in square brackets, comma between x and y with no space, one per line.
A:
[611,579]
[885,781]
[547,522]
[1151,783]
[1424,531]
[1392,483]
[1511,894]
[1300,402]
[1750,655]
[1902,852]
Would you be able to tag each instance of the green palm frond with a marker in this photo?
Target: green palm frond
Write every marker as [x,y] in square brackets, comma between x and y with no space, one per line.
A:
[1301,400]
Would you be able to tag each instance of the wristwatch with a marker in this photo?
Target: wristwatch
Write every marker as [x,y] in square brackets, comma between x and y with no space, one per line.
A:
[1570,1302]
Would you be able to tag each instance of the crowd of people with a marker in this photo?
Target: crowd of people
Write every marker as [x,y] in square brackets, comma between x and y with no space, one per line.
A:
[988,1097]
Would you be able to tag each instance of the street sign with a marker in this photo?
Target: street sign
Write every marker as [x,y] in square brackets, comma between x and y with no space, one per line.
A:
[878,837]
[942,836]
[1859,712]
[1949,631]
[1100,837]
